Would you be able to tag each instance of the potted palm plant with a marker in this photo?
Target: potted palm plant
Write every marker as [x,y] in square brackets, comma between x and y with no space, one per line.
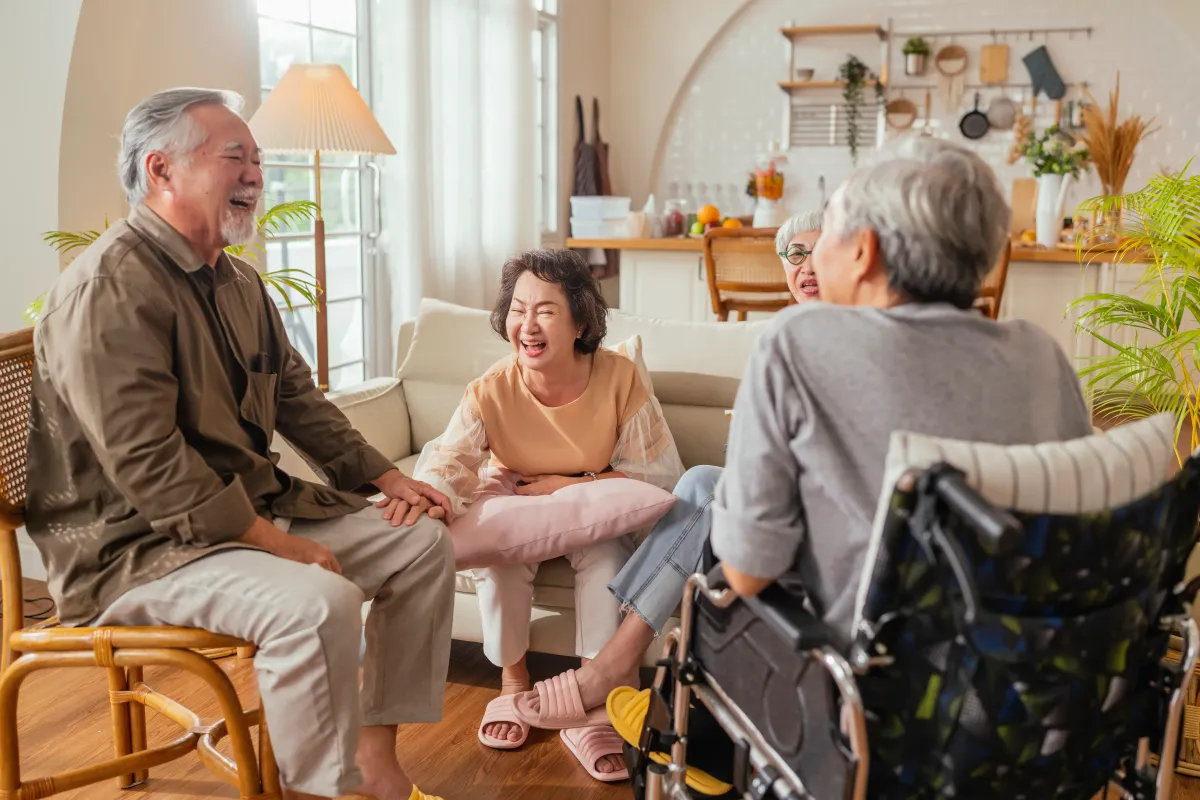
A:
[1152,335]
[284,282]
[916,51]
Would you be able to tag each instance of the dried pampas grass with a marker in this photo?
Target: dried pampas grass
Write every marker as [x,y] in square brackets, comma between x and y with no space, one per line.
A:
[1112,144]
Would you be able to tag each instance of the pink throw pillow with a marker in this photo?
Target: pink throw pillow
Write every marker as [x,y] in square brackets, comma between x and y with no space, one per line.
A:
[501,527]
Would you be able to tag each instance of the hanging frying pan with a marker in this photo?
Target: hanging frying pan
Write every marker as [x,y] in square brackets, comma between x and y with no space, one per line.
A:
[974,124]
[1002,113]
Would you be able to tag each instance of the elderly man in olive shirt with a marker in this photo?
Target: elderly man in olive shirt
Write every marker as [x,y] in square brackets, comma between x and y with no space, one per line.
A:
[163,371]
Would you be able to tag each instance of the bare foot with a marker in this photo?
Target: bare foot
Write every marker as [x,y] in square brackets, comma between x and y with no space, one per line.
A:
[596,683]
[383,779]
[610,763]
[513,680]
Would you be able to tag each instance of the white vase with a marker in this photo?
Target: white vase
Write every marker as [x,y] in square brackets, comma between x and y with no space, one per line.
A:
[1049,216]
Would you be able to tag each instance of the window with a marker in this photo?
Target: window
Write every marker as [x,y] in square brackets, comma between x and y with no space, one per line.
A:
[321,31]
[545,75]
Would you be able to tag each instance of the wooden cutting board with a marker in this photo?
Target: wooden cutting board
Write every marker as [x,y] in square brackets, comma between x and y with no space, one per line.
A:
[993,63]
[1024,204]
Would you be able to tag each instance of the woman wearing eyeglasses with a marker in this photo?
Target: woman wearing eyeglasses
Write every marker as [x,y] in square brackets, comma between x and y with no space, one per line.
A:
[795,242]
[651,582]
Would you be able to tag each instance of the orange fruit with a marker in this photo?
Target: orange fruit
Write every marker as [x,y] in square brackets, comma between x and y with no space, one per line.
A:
[732,222]
[708,214]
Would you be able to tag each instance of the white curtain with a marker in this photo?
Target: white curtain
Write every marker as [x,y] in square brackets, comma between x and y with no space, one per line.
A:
[452,85]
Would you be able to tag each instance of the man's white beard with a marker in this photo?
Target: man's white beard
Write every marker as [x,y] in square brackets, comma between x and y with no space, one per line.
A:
[238,228]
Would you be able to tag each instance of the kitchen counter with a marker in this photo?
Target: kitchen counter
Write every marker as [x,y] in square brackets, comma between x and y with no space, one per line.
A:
[689,245]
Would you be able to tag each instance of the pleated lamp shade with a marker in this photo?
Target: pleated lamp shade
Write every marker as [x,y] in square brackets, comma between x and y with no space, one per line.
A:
[315,107]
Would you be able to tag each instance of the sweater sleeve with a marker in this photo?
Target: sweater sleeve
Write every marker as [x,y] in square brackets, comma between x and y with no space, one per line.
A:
[758,514]
[455,462]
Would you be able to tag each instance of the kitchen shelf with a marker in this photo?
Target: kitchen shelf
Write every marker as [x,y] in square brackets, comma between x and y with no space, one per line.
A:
[788,86]
[832,30]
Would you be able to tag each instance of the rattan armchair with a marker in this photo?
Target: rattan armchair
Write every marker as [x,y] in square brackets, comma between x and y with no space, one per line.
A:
[744,272]
[123,652]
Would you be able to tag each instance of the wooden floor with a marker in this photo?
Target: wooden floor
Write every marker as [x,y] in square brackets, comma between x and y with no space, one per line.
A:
[64,723]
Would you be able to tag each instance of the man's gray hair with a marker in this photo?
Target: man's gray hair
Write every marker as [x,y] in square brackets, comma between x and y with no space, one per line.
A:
[159,123]
[796,225]
[939,214]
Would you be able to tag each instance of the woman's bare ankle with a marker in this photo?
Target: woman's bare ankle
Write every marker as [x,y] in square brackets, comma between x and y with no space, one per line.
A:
[514,678]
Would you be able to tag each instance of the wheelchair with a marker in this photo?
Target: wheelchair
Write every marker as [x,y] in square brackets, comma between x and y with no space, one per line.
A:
[986,661]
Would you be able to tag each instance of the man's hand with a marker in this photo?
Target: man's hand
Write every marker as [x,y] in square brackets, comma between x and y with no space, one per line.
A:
[264,535]
[545,484]
[397,486]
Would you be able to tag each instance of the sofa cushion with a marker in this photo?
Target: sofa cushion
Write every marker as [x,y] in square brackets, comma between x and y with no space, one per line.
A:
[502,527]
[378,409]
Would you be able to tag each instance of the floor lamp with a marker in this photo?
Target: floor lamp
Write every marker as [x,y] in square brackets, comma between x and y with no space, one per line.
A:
[314,107]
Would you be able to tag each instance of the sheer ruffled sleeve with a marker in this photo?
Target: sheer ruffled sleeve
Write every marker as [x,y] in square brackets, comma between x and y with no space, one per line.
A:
[645,448]
[456,462]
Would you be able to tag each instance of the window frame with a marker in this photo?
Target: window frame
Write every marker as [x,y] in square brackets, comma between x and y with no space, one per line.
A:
[546,87]
[368,185]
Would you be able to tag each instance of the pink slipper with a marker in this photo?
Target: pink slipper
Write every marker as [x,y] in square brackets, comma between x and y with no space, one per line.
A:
[502,709]
[559,705]
[591,743]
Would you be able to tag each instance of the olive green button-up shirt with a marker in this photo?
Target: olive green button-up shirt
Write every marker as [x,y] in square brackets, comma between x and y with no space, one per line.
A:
[159,383]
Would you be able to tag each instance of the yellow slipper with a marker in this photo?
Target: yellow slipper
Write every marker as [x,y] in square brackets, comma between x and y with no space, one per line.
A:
[627,709]
[417,794]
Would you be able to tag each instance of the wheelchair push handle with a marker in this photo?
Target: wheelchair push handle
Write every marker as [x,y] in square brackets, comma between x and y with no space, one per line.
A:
[996,529]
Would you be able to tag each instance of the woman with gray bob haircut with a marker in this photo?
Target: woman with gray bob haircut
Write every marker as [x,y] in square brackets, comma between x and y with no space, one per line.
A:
[794,243]
[934,214]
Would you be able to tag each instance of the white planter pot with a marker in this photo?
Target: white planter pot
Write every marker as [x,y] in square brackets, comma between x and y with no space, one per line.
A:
[914,64]
[1049,215]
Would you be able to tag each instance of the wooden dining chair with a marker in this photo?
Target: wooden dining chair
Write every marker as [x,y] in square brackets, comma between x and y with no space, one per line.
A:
[744,272]
[991,294]
[123,652]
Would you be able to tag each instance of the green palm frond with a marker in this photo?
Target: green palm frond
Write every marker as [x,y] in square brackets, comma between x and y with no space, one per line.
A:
[1159,371]
[65,242]
[284,216]
[286,282]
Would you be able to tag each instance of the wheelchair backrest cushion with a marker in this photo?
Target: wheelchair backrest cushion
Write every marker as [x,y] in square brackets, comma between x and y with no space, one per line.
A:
[1079,476]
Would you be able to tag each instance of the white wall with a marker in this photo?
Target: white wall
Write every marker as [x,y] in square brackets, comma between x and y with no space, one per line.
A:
[653,46]
[35,51]
[584,58]
[124,51]
[731,105]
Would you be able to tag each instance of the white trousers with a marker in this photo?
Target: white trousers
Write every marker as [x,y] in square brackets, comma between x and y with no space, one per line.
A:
[506,602]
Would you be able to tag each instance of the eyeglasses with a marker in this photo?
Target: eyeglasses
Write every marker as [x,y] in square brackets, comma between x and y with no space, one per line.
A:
[796,254]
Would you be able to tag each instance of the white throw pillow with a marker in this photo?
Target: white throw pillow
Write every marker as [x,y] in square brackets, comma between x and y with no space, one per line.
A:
[1078,476]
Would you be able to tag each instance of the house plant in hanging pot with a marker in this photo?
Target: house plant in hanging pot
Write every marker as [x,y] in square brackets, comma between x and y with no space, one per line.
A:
[855,75]
[916,51]
[1152,360]
[1055,163]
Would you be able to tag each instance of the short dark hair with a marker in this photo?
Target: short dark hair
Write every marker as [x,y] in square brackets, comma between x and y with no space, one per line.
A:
[567,269]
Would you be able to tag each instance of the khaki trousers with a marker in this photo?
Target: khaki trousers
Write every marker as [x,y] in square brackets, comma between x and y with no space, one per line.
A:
[307,624]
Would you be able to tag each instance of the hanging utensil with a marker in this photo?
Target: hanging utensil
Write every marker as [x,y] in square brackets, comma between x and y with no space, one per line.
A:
[974,124]
[901,113]
[951,64]
[993,63]
[927,130]
[1002,113]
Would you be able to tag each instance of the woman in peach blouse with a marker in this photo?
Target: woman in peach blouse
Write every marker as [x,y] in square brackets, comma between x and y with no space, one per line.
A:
[560,410]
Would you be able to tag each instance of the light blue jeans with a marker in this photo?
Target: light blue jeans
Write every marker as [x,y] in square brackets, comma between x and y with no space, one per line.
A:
[651,582]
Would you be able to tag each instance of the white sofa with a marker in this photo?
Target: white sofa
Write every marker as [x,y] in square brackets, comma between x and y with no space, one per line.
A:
[695,368]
